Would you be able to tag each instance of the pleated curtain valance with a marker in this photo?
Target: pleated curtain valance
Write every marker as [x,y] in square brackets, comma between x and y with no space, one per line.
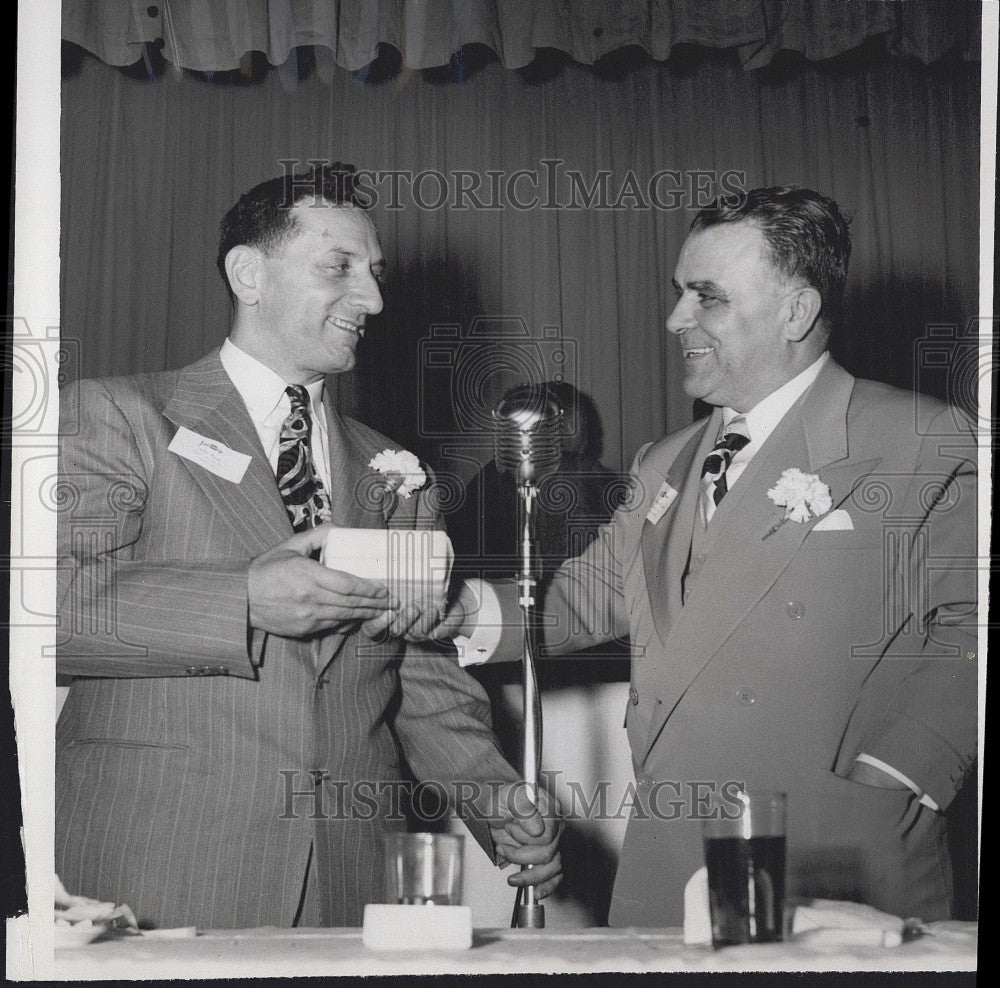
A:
[215,35]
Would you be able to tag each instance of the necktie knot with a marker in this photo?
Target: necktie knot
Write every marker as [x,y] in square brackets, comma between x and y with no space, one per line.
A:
[299,398]
[734,441]
[717,462]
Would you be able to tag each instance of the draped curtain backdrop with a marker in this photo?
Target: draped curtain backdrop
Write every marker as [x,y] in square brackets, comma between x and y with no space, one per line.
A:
[152,158]
[216,34]
[188,104]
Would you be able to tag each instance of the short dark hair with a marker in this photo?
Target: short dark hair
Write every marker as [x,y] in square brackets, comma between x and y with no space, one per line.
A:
[263,218]
[806,232]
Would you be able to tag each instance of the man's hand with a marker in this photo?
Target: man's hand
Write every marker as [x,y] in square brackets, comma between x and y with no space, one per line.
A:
[458,618]
[292,595]
[414,622]
[526,834]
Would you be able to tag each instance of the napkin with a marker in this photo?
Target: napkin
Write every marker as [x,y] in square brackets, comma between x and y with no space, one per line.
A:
[697,919]
[825,922]
[80,919]
[415,564]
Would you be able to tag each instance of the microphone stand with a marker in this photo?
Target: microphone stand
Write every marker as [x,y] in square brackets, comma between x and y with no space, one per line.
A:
[528,439]
[528,913]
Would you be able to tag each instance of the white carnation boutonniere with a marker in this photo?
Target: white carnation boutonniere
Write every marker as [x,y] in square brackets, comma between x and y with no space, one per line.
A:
[802,495]
[402,471]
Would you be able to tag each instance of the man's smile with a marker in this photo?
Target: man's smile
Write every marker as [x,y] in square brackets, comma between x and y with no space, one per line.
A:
[356,328]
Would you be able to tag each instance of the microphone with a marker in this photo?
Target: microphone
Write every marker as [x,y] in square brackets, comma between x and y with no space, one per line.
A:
[528,434]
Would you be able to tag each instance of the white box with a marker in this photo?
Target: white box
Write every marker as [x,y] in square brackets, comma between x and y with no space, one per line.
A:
[414,563]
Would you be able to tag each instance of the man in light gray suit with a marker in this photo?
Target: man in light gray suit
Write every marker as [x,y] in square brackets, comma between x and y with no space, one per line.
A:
[228,754]
[797,578]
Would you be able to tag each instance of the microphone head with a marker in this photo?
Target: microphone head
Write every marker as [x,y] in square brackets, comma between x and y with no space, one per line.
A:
[528,434]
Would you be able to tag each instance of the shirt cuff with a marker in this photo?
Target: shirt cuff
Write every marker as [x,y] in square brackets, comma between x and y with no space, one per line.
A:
[482,601]
[896,774]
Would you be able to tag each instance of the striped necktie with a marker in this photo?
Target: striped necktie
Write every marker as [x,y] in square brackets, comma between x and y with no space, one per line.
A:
[717,462]
[305,498]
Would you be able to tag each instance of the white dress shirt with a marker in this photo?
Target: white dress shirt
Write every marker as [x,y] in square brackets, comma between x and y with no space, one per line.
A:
[263,393]
[761,421]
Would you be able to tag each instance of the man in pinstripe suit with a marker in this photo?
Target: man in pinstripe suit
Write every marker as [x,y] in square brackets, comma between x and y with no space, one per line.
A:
[228,753]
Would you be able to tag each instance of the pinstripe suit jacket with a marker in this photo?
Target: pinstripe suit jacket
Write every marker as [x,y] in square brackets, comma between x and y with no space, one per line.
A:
[795,648]
[185,746]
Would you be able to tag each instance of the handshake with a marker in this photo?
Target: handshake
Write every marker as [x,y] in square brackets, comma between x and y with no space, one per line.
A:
[394,582]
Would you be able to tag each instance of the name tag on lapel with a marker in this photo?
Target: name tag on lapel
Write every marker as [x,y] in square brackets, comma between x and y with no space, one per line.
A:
[664,498]
[210,454]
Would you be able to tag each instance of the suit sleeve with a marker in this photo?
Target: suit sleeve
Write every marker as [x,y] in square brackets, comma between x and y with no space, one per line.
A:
[118,614]
[917,710]
[584,603]
[445,728]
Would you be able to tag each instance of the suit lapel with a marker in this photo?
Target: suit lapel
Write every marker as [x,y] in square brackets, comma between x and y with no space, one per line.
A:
[206,401]
[355,501]
[665,545]
[747,552]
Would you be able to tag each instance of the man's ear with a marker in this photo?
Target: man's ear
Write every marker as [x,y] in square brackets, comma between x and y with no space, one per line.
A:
[801,310]
[243,269]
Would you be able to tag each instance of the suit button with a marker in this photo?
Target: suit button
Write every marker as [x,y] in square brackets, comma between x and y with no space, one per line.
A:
[795,609]
[746,697]
[633,696]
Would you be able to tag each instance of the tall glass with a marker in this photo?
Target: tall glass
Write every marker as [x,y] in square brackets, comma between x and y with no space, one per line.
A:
[745,857]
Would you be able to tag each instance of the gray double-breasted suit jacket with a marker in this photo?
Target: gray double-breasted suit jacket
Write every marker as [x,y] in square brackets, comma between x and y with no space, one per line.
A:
[773,654]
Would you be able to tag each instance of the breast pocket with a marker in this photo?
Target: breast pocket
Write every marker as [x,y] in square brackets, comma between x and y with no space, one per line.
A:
[126,743]
[842,540]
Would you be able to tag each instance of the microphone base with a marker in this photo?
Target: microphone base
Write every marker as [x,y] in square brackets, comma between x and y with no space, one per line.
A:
[529,916]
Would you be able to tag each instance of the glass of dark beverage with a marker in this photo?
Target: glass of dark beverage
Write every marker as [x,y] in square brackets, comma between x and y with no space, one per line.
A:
[745,857]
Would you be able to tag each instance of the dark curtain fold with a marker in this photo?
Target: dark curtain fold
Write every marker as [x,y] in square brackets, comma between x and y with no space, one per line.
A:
[214,35]
[149,167]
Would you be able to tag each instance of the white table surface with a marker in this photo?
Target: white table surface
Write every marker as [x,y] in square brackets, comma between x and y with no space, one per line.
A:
[267,951]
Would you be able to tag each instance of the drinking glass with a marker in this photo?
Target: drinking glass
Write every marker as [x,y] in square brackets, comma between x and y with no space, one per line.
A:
[745,857]
[424,869]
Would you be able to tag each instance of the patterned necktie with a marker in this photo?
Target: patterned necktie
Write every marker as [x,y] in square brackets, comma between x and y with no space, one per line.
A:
[301,489]
[717,462]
